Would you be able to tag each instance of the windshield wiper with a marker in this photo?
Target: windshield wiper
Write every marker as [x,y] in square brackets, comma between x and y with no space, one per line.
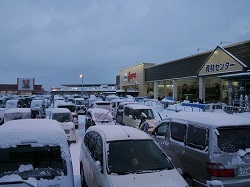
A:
[97,119]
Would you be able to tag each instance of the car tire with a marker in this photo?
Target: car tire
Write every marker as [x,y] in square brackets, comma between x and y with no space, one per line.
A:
[189,180]
[83,181]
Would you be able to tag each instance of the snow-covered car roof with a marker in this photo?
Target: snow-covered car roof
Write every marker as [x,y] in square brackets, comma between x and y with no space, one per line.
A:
[66,104]
[82,99]
[119,132]
[102,102]
[210,118]
[41,131]
[17,110]
[60,110]
[138,106]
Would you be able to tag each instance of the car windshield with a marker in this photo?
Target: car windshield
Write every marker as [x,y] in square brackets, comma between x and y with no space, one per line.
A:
[15,116]
[136,156]
[148,112]
[62,117]
[103,117]
[232,139]
[28,161]
[80,102]
[72,108]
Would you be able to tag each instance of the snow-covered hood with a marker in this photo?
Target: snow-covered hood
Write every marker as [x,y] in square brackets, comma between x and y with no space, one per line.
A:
[67,125]
[163,179]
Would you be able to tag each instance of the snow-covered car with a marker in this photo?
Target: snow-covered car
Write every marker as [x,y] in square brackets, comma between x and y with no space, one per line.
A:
[209,149]
[102,104]
[72,109]
[17,113]
[34,152]
[132,116]
[2,102]
[121,156]
[64,116]
[120,110]
[81,105]
[98,116]
[37,107]
[2,111]
[115,103]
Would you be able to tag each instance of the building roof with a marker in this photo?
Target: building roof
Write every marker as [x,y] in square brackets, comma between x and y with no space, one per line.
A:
[189,66]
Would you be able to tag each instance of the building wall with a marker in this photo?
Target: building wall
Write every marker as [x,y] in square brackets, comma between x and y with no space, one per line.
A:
[133,79]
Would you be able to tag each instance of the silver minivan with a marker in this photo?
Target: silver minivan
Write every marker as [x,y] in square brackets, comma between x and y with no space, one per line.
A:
[208,149]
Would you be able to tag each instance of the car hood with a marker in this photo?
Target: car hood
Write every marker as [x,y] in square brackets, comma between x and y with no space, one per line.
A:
[67,125]
[162,178]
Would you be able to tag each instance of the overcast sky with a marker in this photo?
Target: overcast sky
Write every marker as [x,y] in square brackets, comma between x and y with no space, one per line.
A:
[54,41]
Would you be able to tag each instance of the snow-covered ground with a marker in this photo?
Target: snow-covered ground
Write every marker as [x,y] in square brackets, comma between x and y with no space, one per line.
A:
[75,150]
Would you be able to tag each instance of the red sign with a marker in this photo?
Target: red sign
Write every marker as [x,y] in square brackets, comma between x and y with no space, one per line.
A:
[131,75]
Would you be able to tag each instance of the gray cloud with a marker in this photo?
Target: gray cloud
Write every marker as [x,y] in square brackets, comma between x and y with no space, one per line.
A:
[56,41]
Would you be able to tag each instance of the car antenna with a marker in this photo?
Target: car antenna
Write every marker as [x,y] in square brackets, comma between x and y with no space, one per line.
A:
[125,131]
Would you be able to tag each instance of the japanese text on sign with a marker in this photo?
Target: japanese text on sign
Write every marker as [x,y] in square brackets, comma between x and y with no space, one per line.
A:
[218,67]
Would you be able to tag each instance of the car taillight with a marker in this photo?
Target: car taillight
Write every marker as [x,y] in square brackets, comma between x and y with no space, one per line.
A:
[218,170]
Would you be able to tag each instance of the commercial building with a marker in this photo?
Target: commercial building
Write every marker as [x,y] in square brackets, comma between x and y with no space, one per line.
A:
[222,74]
[24,86]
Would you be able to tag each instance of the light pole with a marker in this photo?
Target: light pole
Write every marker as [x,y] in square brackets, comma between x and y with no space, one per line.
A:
[81,76]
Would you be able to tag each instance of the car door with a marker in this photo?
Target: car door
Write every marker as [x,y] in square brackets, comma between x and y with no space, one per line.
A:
[159,134]
[88,147]
[98,168]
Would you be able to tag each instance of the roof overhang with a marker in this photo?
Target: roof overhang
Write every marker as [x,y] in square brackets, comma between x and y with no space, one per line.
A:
[236,76]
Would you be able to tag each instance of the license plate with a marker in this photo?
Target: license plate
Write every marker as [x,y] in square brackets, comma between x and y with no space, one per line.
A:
[244,170]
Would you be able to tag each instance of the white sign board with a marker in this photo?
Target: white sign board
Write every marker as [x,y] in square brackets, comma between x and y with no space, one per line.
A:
[25,83]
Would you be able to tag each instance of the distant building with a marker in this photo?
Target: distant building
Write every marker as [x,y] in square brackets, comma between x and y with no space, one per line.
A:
[24,86]
[85,89]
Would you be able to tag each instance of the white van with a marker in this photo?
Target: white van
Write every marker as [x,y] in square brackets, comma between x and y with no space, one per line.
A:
[17,113]
[132,114]
[34,152]
[65,118]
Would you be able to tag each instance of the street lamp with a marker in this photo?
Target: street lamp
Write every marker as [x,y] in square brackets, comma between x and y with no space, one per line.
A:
[81,76]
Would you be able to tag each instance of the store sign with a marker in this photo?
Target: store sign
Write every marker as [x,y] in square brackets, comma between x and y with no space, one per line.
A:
[25,83]
[221,61]
[128,76]
[216,67]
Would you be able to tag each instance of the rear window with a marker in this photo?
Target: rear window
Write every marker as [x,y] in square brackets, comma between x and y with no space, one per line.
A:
[27,161]
[232,139]
[197,137]
[62,117]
